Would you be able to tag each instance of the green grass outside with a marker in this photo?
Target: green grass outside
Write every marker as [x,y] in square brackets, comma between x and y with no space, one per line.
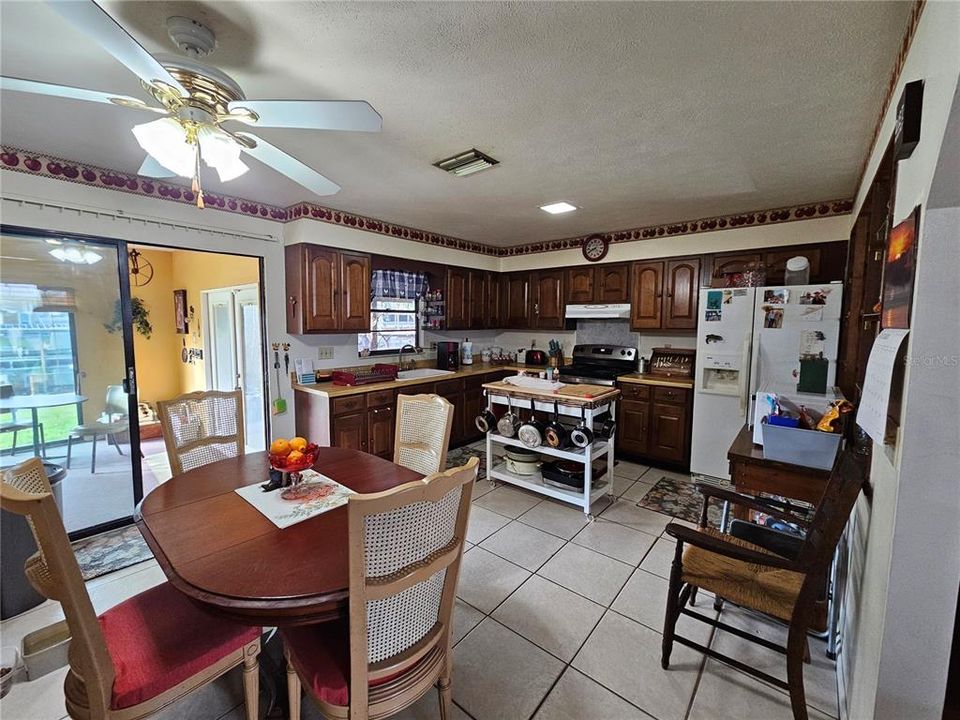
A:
[57,423]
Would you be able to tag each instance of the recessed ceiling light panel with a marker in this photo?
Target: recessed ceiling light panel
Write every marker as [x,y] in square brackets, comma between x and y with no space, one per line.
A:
[558,207]
[466,163]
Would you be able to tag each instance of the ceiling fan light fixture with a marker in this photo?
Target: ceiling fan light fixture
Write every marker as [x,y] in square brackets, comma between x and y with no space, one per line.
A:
[221,152]
[76,254]
[165,140]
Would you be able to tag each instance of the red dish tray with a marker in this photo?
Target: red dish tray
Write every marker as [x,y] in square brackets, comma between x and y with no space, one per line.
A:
[380,372]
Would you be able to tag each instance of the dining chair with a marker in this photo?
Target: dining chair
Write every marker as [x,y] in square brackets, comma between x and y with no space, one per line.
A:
[202,427]
[405,546]
[422,433]
[789,587]
[114,420]
[141,655]
[15,426]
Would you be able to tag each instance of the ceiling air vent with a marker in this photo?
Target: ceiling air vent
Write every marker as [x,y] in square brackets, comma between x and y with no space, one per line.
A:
[466,163]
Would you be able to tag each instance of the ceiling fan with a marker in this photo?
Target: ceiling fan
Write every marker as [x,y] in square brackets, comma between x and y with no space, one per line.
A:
[196,100]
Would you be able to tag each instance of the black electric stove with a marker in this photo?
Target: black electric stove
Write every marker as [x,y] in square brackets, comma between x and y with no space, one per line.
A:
[599,364]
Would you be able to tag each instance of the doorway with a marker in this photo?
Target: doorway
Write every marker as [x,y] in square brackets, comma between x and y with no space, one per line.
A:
[235,358]
[67,379]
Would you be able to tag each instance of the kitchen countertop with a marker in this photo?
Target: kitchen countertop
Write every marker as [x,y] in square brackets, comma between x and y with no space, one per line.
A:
[648,379]
[328,389]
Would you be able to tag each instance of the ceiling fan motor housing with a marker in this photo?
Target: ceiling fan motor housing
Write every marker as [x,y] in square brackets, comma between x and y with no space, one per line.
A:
[192,37]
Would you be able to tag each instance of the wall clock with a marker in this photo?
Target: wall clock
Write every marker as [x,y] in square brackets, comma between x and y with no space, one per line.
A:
[595,248]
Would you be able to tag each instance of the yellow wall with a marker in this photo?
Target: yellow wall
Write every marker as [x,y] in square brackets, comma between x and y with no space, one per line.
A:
[162,373]
[158,359]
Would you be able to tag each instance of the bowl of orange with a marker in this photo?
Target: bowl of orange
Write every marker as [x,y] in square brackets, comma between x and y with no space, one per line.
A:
[294,455]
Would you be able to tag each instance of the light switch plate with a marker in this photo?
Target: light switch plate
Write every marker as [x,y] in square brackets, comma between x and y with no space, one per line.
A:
[325,352]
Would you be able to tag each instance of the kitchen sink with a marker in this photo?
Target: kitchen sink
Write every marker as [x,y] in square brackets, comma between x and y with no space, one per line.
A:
[421,373]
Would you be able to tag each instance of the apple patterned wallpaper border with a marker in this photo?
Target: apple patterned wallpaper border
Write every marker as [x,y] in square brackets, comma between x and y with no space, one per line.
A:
[34,163]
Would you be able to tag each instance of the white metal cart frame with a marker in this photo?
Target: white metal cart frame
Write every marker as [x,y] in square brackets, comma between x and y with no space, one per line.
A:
[569,407]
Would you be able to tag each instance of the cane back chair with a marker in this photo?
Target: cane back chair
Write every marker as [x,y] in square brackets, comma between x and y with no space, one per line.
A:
[141,655]
[405,549]
[202,427]
[423,432]
[789,589]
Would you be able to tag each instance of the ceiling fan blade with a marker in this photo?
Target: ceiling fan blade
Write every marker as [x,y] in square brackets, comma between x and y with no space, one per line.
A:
[89,17]
[75,93]
[152,169]
[288,165]
[312,114]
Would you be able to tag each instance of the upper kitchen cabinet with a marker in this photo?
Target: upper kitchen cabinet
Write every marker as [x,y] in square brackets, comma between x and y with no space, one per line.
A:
[546,291]
[647,296]
[827,263]
[604,284]
[496,308]
[516,299]
[477,311]
[681,292]
[327,290]
[355,291]
[664,294]
[458,301]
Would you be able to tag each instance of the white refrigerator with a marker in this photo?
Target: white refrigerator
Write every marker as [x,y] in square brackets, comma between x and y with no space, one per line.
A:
[782,340]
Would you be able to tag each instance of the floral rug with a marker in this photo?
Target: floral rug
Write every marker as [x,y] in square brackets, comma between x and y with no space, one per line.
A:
[461,455]
[679,498]
[111,551]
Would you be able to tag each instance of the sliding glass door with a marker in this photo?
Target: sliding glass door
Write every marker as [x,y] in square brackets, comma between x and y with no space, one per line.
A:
[67,383]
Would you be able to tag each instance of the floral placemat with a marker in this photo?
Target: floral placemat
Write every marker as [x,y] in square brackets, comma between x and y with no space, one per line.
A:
[319,494]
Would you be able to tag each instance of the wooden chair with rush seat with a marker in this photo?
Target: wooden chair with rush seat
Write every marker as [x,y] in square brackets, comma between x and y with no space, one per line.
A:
[423,432]
[404,559]
[202,427]
[791,589]
[141,655]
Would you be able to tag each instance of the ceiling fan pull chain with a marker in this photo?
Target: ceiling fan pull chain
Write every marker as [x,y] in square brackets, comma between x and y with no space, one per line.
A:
[196,179]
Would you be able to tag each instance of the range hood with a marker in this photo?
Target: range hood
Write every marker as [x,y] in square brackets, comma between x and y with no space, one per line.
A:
[610,311]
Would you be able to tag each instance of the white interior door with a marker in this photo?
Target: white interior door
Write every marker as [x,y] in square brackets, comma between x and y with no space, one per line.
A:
[235,353]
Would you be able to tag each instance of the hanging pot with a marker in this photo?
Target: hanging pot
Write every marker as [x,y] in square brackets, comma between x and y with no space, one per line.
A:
[509,423]
[531,432]
[581,435]
[486,420]
[556,433]
[607,427]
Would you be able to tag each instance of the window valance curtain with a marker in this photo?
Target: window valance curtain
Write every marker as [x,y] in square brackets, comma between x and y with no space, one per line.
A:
[397,284]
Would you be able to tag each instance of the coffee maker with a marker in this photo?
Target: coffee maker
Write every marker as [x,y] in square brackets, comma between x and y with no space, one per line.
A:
[448,356]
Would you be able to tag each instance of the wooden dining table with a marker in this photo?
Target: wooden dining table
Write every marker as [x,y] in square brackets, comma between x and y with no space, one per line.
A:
[219,550]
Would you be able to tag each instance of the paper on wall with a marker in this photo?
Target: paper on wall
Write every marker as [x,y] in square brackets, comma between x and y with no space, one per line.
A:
[872,413]
[811,313]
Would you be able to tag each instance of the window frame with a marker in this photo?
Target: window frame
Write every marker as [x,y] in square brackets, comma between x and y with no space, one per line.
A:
[417,330]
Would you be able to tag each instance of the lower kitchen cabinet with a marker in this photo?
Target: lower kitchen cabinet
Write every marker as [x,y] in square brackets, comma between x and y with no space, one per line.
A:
[347,431]
[380,426]
[654,423]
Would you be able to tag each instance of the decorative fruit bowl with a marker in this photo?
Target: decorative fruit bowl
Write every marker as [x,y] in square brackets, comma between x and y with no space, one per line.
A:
[288,458]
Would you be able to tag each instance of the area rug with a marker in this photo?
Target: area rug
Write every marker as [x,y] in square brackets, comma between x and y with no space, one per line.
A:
[680,499]
[458,457]
[111,551]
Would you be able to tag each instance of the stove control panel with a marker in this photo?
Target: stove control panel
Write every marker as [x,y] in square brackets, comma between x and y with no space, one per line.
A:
[604,352]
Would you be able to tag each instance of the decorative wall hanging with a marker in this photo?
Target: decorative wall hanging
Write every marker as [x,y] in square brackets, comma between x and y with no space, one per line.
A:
[141,269]
[180,311]
[898,273]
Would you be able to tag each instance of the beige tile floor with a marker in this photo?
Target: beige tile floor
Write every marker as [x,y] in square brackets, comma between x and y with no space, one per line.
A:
[556,619]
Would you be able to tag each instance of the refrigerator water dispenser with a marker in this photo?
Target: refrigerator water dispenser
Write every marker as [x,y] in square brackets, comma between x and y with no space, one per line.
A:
[720,374]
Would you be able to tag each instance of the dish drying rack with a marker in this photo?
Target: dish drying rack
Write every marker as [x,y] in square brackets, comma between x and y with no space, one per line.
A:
[381,372]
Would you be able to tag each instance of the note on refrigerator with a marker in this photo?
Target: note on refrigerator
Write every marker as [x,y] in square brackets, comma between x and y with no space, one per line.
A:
[872,413]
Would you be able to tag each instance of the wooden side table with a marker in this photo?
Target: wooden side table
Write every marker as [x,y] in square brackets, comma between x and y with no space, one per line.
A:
[751,473]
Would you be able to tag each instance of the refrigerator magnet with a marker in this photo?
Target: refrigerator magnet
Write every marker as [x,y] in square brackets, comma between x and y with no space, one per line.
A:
[714,315]
[772,317]
[714,298]
[776,296]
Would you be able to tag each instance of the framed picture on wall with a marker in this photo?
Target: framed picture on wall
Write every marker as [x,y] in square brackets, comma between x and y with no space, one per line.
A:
[898,273]
[180,311]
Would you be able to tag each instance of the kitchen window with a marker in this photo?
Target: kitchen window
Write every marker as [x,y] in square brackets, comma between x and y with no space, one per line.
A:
[393,312]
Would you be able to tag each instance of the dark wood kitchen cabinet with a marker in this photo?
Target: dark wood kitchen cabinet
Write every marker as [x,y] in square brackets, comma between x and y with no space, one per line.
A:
[599,284]
[546,291]
[664,294]
[477,311]
[646,296]
[380,428]
[681,294]
[349,431]
[458,302]
[654,423]
[496,315]
[327,290]
[516,297]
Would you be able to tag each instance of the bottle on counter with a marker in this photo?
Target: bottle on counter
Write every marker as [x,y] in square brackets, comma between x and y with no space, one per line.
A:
[467,351]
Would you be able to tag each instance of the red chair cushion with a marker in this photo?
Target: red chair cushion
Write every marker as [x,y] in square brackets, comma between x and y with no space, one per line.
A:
[321,656]
[160,638]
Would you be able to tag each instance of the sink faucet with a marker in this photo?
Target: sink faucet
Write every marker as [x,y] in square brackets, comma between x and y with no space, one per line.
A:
[400,355]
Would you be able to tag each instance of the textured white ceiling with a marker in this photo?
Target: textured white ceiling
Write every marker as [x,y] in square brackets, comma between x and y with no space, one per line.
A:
[638,113]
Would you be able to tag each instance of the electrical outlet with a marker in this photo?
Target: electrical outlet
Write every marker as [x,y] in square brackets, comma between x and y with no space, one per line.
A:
[325,352]
[433,346]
